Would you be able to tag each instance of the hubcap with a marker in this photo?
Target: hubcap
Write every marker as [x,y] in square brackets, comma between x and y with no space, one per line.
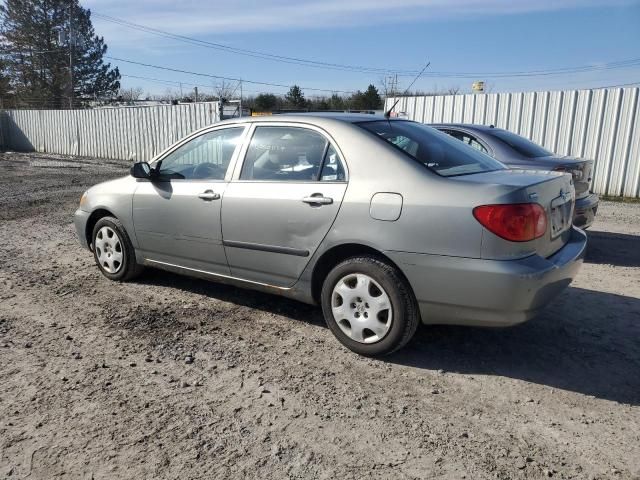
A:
[361,308]
[109,250]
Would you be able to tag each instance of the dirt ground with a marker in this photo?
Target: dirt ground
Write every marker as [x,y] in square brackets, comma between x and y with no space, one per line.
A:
[96,380]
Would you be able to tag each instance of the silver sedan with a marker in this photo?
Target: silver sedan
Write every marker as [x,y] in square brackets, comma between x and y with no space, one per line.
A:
[385,223]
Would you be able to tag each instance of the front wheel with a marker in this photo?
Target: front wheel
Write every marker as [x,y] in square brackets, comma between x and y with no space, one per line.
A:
[369,306]
[113,251]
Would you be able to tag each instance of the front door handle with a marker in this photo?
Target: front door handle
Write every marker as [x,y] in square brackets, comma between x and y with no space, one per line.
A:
[209,195]
[318,199]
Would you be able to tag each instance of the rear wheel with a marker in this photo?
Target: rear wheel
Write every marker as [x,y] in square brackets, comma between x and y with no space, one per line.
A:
[369,306]
[113,251]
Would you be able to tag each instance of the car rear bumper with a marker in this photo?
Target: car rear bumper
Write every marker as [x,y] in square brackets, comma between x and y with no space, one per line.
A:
[585,211]
[467,291]
[80,220]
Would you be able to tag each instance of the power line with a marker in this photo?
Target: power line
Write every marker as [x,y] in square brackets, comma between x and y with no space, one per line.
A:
[364,69]
[633,62]
[247,52]
[177,83]
[208,75]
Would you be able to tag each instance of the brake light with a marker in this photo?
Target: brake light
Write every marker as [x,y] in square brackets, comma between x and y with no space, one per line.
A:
[576,173]
[516,222]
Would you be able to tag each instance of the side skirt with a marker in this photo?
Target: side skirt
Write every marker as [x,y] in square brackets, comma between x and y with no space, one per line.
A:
[288,292]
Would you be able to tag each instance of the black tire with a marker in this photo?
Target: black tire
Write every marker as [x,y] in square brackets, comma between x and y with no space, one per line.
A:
[406,315]
[128,269]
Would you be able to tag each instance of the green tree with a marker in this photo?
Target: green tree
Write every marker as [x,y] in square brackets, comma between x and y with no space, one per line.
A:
[367,100]
[336,102]
[5,85]
[295,97]
[265,102]
[41,39]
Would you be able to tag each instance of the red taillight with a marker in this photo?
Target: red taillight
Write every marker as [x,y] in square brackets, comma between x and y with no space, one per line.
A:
[517,222]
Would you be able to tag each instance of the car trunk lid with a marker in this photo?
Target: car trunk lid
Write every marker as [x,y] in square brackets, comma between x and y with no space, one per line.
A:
[581,171]
[553,191]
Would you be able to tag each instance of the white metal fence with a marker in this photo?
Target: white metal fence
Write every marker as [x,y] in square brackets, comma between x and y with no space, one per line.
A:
[120,133]
[602,124]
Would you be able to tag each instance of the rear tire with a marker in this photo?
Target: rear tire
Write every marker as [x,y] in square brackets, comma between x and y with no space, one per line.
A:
[113,252]
[369,306]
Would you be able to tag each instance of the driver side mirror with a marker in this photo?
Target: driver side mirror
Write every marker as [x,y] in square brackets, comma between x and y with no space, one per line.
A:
[141,170]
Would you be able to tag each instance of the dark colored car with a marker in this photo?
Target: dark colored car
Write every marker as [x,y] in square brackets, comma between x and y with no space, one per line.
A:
[518,152]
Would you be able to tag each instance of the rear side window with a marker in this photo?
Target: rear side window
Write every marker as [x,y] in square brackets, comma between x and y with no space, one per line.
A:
[284,154]
[523,146]
[468,139]
[436,150]
[332,169]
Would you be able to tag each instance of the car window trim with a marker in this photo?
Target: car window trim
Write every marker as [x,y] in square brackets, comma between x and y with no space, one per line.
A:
[242,154]
[203,131]
[322,162]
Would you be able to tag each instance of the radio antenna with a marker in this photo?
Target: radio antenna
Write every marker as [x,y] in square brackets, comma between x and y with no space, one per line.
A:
[387,114]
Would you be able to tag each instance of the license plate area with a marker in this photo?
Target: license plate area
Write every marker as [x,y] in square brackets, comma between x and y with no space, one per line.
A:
[561,214]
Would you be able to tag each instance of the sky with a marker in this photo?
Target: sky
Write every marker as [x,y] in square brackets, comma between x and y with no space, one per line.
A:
[464,41]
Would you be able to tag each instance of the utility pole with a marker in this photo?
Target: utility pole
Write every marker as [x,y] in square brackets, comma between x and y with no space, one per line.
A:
[240,98]
[71,54]
[196,93]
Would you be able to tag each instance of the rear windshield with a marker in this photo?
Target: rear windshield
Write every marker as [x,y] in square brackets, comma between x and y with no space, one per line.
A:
[524,147]
[436,150]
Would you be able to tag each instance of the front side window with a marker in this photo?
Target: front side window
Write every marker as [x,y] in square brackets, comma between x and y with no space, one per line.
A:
[523,146]
[286,154]
[434,149]
[205,157]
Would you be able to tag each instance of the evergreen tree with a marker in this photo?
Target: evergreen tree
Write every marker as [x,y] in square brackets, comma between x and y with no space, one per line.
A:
[41,38]
[5,87]
[295,97]
[265,102]
[367,100]
[337,102]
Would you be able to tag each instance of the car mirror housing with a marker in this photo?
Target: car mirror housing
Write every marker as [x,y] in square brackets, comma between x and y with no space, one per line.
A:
[141,170]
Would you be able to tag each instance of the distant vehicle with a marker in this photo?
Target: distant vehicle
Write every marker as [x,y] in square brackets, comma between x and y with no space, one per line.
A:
[383,222]
[518,152]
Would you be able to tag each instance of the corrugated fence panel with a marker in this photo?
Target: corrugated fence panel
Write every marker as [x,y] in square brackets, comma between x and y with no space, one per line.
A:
[119,133]
[599,124]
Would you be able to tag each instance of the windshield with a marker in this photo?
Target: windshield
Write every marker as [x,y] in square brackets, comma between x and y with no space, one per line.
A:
[436,150]
[520,144]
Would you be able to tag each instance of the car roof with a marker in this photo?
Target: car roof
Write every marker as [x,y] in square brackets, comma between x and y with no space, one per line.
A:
[466,126]
[311,117]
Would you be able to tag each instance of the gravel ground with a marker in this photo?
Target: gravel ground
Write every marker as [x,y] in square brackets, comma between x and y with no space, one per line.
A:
[170,377]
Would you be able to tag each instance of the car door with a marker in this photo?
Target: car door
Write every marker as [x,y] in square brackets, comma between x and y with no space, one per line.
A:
[282,202]
[176,214]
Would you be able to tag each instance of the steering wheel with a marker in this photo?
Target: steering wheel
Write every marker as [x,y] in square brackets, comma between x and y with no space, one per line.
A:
[207,170]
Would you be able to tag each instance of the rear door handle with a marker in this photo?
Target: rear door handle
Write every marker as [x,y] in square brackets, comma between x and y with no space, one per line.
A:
[209,195]
[318,199]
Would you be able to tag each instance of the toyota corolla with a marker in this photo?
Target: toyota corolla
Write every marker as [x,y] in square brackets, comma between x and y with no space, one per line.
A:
[385,223]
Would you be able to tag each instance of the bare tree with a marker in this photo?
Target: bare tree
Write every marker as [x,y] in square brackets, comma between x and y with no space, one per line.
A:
[130,95]
[389,86]
[228,90]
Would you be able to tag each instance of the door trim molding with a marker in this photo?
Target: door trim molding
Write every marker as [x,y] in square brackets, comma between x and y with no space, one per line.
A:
[266,248]
[221,277]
